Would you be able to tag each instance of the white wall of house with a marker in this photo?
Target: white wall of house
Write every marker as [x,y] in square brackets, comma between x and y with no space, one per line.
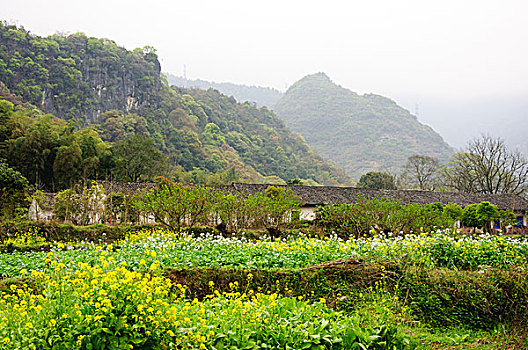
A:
[307,213]
[35,210]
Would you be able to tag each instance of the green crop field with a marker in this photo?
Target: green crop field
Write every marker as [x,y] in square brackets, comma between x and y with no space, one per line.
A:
[160,290]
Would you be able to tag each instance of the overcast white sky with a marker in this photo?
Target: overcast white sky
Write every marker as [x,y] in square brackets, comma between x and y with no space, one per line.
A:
[452,49]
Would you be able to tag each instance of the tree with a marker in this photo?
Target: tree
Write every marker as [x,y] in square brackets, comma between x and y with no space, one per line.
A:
[377,180]
[470,216]
[278,207]
[67,165]
[235,211]
[212,135]
[176,206]
[80,205]
[422,172]
[453,211]
[32,148]
[6,108]
[479,215]
[487,166]
[507,217]
[137,159]
[486,213]
[13,187]
[92,204]
[66,206]
[41,203]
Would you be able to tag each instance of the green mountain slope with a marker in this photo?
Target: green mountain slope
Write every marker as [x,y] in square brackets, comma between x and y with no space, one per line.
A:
[359,133]
[262,96]
[121,93]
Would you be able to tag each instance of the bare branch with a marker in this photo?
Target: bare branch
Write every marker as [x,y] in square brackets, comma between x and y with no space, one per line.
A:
[487,167]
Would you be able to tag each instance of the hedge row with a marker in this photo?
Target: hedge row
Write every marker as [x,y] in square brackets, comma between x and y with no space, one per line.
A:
[442,297]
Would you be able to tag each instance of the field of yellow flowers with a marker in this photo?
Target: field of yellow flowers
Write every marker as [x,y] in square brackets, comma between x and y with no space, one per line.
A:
[79,295]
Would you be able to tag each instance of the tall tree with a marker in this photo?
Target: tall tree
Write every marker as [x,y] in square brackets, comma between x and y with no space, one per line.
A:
[487,166]
[67,165]
[377,180]
[422,172]
[176,206]
[137,159]
[13,187]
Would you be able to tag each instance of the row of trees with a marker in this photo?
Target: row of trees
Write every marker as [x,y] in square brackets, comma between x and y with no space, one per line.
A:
[175,206]
[486,166]
[364,216]
[178,206]
[53,154]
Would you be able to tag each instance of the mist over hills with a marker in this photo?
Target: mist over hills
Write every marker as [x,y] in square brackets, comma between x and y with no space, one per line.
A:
[373,132]
[79,77]
[456,120]
[262,96]
[460,120]
[360,133]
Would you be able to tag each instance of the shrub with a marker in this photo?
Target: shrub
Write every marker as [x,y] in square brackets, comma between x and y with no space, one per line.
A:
[364,216]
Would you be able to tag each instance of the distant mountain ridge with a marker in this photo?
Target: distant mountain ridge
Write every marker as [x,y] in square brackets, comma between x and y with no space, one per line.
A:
[262,96]
[360,133]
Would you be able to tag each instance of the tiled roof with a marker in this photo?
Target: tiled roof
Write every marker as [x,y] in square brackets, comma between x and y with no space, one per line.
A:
[128,188]
[317,195]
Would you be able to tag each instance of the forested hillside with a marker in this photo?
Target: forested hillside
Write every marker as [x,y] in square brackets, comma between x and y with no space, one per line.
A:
[360,133]
[76,76]
[94,87]
[262,96]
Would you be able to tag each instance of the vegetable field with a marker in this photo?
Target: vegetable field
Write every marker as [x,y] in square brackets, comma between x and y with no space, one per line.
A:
[161,290]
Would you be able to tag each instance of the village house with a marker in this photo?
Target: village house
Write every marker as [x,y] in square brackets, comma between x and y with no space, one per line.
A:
[313,196]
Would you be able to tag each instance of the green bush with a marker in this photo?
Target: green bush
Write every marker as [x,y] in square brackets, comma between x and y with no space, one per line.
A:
[69,233]
[364,216]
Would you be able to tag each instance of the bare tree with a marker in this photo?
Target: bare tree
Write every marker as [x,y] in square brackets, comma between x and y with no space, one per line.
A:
[487,166]
[422,172]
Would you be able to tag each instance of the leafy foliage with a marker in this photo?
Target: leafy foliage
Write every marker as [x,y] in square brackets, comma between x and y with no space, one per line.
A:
[13,190]
[480,215]
[80,205]
[377,180]
[138,160]
[364,217]
[177,206]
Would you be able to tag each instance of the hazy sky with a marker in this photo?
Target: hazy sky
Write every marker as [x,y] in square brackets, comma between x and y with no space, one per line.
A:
[452,49]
